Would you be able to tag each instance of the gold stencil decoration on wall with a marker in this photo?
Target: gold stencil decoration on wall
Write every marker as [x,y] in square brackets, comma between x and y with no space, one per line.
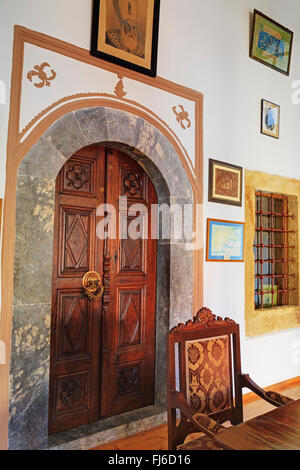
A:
[42,75]
[182,116]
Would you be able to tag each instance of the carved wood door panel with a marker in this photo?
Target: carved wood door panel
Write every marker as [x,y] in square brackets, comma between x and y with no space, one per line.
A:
[129,304]
[102,351]
[75,335]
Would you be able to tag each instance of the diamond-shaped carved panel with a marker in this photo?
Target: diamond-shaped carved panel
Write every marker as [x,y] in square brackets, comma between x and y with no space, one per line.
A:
[130,316]
[131,255]
[76,240]
[131,249]
[72,325]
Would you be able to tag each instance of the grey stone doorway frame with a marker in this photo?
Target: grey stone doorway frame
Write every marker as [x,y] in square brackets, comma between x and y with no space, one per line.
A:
[35,200]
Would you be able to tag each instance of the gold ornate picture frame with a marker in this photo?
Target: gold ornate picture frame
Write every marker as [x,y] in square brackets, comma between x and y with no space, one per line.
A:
[225,183]
[125,32]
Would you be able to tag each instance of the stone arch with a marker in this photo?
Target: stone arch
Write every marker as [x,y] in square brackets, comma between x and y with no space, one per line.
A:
[35,201]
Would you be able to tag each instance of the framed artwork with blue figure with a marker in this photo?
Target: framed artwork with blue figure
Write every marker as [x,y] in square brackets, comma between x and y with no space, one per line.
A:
[270,118]
[271,43]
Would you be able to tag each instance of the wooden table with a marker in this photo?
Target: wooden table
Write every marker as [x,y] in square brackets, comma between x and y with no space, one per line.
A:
[278,429]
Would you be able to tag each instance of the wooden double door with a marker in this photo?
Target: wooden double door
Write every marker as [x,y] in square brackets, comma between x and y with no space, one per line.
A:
[102,350]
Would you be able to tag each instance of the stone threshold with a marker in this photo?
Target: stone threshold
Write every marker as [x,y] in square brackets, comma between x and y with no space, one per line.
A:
[96,434]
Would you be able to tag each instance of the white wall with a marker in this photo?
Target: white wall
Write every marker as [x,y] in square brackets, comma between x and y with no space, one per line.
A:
[203,45]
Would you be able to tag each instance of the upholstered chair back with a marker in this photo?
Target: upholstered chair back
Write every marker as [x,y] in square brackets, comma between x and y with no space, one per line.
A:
[204,364]
[205,381]
[208,374]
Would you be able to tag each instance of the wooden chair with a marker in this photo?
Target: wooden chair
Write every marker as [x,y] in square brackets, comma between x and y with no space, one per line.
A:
[205,380]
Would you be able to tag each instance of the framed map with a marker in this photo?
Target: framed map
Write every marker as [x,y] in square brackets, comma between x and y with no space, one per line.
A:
[271,43]
[225,240]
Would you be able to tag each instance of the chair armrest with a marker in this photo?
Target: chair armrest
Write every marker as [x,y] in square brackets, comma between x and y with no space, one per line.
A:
[279,398]
[201,421]
[274,398]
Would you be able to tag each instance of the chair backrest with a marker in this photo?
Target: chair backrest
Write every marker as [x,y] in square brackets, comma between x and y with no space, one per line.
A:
[204,364]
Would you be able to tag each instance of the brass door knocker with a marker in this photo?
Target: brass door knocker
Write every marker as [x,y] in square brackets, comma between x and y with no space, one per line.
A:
[91,282]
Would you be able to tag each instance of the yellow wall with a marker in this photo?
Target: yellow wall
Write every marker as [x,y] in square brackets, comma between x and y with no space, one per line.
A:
[258,322]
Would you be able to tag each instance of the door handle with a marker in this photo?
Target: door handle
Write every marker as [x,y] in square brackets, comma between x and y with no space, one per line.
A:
[91,283]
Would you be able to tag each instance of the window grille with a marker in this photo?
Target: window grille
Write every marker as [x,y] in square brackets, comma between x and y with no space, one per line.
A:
[272,251]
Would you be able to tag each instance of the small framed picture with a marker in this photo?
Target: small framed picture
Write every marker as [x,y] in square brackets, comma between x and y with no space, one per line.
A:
[225,183]
[225,240]
[271,43]
[125,32]
[270,119]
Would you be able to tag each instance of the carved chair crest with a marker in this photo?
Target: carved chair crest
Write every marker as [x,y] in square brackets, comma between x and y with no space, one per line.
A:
[203,319]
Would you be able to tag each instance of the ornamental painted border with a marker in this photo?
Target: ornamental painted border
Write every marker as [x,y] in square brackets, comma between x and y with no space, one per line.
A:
[19,143]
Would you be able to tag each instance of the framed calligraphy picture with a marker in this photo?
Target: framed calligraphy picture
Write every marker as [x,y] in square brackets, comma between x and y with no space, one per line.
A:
[271,43]
[225,183]
[125,32]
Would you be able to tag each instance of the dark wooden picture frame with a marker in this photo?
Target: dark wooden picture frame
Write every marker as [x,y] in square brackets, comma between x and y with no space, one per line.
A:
[272,51]
[267,128]
[225,183]
[130,41]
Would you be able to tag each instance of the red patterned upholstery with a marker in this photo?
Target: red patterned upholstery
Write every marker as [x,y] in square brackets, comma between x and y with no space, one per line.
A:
[208,377]
[202,443]
[208,423]
[205,351]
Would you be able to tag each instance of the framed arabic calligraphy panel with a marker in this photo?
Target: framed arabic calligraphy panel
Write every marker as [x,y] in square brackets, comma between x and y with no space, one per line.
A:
[271,43]
[225,183]
[125,32]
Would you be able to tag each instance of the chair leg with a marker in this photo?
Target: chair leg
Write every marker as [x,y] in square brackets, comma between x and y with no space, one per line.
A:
[172,444]
[238,416]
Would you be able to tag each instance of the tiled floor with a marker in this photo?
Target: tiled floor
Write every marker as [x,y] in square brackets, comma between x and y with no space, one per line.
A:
[156,439]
